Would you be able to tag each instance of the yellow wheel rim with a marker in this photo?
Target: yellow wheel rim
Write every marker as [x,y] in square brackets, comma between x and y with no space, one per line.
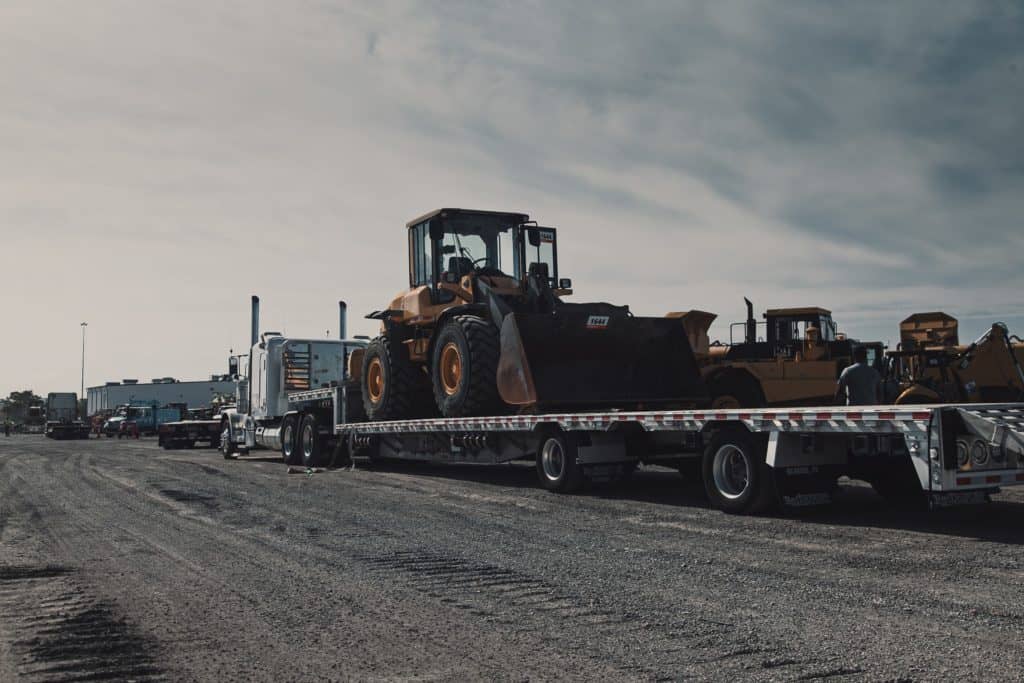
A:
[451,368]
[375,380]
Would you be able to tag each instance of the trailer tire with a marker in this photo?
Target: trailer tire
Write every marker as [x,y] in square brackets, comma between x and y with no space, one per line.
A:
[289,440]
[736,477]
[464,367]
[393,387]
[557,466]
[311,446]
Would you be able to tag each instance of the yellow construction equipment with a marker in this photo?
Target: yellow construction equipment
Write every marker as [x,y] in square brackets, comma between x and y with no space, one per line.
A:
[792,358]
[483,329]
[930,365]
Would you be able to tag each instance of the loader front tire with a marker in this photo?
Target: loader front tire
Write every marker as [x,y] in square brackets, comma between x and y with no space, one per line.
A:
[464,367]
[393,387]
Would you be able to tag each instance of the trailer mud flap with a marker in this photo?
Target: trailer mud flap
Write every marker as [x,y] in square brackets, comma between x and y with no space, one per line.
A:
[576,357]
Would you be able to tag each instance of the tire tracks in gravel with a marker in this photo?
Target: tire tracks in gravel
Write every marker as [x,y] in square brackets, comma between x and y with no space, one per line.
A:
[301,554]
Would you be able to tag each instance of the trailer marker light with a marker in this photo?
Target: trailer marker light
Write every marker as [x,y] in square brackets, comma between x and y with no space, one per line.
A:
[921,416]
[854,416]
[963,481]
[823,416]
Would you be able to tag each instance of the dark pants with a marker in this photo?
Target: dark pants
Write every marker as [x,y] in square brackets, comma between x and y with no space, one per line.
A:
[7,430]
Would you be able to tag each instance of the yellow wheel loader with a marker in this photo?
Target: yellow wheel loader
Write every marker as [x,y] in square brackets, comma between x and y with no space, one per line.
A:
[930,365]
[792,358]
[483,329]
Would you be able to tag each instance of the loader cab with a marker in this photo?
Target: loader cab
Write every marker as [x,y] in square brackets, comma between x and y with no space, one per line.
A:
[450,244]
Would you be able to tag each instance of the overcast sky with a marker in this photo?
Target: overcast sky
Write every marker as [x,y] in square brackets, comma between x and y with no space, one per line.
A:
[161,161]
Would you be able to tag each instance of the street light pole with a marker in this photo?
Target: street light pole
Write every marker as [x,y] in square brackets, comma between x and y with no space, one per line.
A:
[82,395]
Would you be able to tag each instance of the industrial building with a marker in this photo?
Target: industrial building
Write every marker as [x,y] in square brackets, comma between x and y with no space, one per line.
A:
[163,391]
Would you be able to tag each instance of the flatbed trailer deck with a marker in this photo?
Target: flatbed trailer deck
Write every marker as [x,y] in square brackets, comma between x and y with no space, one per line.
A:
[749,459]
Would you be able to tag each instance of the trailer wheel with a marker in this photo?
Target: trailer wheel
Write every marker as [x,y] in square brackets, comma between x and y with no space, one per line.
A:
[310,443]
[393,387]
[464,367]
[736,477]
[557,467]
[289,440]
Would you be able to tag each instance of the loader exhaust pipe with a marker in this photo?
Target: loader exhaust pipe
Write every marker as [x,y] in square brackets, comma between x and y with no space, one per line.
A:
[342,320]
[255,337]
[751,335]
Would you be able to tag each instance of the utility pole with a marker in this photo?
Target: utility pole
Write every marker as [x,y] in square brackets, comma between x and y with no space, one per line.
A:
[82,395]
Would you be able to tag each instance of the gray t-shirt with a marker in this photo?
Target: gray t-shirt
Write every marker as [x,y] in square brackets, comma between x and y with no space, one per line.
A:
[861,382]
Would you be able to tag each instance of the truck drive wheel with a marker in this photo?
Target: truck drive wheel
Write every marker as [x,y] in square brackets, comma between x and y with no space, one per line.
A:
[393,387]
[311,446]
[464,367]
[736,477]
[557,467]
[227,449]
[289,440]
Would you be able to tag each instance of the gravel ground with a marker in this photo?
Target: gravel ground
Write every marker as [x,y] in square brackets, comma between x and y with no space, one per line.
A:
[121,561]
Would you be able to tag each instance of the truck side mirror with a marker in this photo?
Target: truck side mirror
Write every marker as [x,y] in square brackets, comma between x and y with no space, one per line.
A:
[533,236]
[436,230]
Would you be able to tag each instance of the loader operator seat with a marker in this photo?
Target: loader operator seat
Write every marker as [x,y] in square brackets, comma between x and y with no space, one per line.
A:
[460,266]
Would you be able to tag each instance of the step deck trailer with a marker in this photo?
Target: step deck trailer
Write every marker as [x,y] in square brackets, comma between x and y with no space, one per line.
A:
[749,460]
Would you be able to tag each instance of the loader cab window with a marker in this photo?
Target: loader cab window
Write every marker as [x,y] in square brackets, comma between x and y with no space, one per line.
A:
[478,243]
[421,256]
[540,247]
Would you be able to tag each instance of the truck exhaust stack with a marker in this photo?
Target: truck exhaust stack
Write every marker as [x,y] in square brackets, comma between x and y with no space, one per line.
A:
[342,320]
[255,321]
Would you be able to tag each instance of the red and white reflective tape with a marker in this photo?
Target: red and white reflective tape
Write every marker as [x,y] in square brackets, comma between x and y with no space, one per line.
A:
[683,420]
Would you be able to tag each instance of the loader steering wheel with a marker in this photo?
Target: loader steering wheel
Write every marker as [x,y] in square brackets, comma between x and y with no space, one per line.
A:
[484,259]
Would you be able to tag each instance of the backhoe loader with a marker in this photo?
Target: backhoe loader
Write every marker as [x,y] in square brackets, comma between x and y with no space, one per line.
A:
[930,365]
[483,330]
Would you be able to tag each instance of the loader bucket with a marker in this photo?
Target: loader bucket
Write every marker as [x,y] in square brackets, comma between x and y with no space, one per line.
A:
[576,359]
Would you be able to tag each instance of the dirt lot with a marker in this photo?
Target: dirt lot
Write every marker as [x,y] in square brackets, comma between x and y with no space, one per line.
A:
[119,560]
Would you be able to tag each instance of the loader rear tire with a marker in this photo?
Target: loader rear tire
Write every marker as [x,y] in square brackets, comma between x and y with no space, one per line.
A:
[731,390]
[393,387]
[464,367]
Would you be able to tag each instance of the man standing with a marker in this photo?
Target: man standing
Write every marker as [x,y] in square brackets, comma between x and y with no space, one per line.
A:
[7,427]
[859,384]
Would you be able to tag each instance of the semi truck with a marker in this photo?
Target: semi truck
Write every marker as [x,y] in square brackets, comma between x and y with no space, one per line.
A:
[748,460]
[270,413]
[62,417]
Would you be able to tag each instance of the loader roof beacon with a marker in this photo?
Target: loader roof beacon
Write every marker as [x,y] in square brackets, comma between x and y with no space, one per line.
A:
[483,328]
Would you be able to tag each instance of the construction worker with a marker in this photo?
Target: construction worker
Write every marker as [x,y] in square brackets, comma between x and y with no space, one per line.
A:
[7,427]
[859,384]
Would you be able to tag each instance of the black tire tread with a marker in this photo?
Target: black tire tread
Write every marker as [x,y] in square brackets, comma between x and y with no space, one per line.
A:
[484,352]
[408,393]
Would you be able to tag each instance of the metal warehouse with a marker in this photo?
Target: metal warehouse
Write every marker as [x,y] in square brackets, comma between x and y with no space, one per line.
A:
[194,394]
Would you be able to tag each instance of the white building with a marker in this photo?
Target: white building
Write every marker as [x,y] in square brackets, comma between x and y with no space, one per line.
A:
[168,390]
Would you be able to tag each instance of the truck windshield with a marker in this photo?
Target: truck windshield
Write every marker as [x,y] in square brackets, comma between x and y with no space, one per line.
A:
[481,242]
